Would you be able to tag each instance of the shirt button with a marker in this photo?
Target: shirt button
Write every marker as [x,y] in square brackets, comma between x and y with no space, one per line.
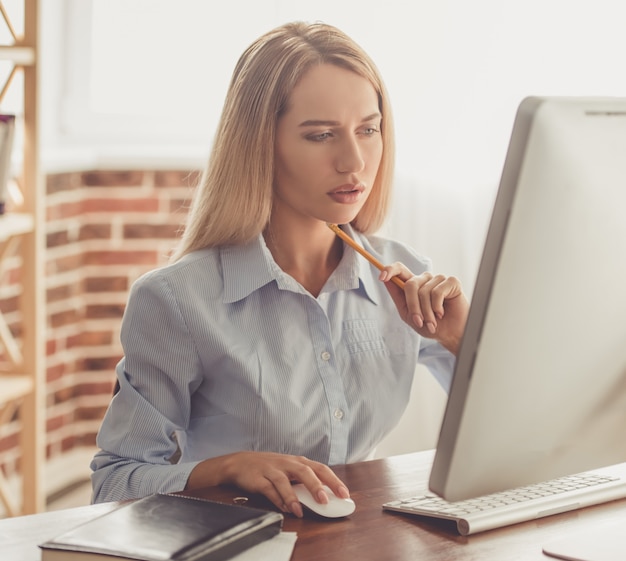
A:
[325,355]
[338,414]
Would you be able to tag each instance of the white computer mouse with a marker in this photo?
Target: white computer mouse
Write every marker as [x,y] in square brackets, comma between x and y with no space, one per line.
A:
[335,508]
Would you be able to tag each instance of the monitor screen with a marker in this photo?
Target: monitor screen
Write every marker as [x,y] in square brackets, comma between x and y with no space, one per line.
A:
[539,388]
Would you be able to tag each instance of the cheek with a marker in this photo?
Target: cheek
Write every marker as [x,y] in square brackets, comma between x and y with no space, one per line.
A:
[295,164]
[374,158]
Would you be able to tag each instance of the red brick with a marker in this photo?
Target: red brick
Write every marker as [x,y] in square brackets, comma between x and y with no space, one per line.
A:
[51,347]
[106,284]
[172,178]
[179,206]
[94,232]
[55,423]
[9,305]
[64,264]
[63,292]
[112,178]
[65,395]
[13,276]
[102,311]
[68,443]
[97,388]
[88,439]
[90,413]
[64,210]
[100,363]
[57,239]
[10,441]
[121,257]
[121,205]
[90,339]
[66,317]
[57,182]
[151,231]
[55,372]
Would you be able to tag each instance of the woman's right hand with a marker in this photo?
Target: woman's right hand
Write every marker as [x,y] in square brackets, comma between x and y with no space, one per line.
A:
[271,475]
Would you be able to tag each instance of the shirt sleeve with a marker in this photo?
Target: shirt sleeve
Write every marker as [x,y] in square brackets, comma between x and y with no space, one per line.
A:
[157,375]
[439,361]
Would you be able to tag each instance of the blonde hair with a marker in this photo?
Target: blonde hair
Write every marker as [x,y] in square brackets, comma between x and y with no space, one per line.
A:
[233,200]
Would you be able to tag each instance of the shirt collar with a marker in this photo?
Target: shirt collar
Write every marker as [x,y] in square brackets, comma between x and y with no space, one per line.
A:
[248,267]
[245,269]
[354,271]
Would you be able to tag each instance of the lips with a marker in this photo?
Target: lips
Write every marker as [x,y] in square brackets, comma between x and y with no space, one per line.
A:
[346,194]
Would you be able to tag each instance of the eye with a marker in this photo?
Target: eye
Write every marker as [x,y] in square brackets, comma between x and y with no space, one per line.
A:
[319,136]
[370,131]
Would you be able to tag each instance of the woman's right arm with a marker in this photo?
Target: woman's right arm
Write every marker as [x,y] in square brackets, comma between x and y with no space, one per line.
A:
[157,376]
[269,474]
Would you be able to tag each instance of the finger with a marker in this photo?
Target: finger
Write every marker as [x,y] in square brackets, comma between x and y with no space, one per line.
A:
[288,498]
[328,477]
[269,486]
[431,300]
[449,288]
[294,469]
[315,475]
[396,269]
[417,300]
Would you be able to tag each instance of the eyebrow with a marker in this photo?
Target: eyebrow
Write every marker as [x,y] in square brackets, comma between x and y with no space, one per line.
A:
[325,123]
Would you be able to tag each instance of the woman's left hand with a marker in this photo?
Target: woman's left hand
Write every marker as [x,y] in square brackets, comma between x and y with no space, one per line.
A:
[434,305]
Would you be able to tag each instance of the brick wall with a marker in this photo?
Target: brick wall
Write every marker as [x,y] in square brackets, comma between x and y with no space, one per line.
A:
[103,230]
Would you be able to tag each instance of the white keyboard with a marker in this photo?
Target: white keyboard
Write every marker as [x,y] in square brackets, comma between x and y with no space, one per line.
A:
[522,503]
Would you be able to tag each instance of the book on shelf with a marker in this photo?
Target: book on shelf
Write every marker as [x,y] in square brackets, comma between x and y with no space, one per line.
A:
[7,132]
[165,527]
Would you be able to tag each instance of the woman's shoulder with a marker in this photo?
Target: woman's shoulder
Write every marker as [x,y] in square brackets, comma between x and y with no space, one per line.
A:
[200,266]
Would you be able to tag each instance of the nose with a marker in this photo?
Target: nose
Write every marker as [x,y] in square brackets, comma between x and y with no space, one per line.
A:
[349,158]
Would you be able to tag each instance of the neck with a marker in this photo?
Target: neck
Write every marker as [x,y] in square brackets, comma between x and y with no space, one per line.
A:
[309,253]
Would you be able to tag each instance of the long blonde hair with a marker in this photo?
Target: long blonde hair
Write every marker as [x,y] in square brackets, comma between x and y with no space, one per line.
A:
[233,200]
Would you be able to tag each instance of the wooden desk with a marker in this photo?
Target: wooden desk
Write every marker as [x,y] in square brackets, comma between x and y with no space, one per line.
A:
[370,533]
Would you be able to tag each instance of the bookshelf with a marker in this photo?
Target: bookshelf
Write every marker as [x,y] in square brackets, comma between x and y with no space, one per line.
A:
[22,378]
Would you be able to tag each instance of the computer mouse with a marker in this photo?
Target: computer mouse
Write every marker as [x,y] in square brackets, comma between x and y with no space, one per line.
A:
[335,508]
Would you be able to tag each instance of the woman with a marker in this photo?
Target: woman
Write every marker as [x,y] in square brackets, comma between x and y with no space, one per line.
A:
[269,350]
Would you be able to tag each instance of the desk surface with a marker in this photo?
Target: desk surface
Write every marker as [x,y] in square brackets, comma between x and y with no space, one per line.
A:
[370,533]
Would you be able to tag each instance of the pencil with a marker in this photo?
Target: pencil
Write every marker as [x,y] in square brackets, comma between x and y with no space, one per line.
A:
[396,280]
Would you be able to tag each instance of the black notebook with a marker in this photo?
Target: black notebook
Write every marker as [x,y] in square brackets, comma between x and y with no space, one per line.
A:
[165,528]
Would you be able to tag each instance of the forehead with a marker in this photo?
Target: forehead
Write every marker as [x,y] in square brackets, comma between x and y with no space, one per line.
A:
[327,90]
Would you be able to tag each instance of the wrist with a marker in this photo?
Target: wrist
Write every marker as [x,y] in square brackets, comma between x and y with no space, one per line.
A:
[207,473]
[452,345]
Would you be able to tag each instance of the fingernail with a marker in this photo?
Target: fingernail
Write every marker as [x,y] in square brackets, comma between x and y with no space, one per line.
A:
[296,509]
[383,276]
[418,320]
[322,497]
[343,492]
[431,327]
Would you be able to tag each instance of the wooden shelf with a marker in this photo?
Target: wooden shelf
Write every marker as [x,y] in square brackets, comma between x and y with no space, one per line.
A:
[15,224]
[14,387]
[20,56]
[22,377]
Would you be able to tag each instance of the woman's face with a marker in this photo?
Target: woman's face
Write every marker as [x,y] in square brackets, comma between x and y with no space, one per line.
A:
[328,146]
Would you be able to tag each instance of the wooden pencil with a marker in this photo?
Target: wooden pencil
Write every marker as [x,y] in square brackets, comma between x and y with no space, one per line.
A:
[396,280]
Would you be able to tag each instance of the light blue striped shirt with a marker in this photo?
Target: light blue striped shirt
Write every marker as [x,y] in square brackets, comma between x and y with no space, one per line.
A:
[229,353]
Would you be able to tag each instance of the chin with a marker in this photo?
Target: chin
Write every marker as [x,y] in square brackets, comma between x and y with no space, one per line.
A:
[341,218]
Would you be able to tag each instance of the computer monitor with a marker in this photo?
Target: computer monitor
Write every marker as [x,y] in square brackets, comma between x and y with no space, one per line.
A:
[539,388]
